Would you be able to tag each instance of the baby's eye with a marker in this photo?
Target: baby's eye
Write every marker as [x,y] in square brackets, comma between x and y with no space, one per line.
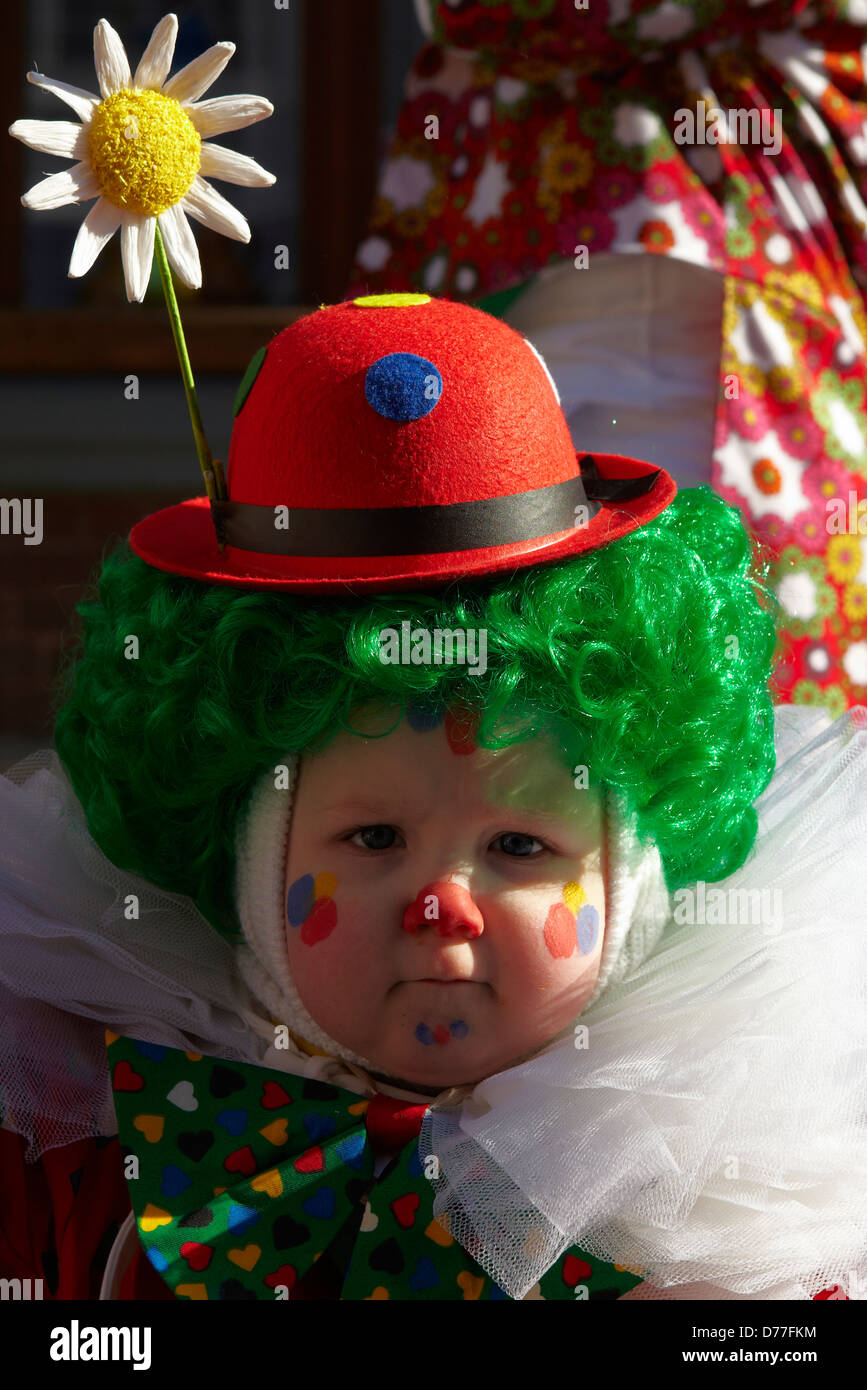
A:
[375,837]
[518,845]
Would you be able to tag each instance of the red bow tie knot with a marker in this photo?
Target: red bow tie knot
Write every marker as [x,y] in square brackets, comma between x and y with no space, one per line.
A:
[391,1124]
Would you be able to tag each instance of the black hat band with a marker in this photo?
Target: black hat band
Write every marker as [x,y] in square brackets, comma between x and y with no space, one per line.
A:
[437,529]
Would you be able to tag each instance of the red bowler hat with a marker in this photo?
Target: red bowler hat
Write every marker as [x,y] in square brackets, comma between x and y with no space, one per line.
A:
[398,441]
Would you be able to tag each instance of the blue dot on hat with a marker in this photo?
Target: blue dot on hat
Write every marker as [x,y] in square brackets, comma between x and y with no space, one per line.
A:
[403,386]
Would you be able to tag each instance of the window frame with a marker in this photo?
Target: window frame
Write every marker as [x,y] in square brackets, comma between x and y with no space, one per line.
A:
[341,104]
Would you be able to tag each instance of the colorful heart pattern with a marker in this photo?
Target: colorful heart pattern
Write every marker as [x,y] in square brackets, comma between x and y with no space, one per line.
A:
[274,1192]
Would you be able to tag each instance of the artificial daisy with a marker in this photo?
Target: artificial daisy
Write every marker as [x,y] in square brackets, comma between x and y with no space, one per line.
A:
[143,152]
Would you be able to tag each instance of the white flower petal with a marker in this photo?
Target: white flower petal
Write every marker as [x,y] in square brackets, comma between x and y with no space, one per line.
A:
[198,75]
[63,138]
[73,185]
[137,253]
[156,60]
[83,103]
[219,114]
[217,162]
[110,60]
[181,247]
[97,229]
[207,205]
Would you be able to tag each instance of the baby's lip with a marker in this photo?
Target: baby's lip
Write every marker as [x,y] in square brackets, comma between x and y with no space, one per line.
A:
[444,980]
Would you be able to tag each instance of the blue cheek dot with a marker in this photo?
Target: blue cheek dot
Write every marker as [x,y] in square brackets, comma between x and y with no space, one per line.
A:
[458,1029]
[424,1034]
[299,902]
[403,386]
[588,929]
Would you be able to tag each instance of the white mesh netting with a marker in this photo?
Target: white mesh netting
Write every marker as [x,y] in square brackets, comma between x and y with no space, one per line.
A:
[712,1131]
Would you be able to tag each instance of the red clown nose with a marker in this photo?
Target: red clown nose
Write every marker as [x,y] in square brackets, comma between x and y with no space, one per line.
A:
[449,906]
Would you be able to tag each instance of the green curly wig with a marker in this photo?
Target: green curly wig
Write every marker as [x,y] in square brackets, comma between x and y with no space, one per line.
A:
[647,660]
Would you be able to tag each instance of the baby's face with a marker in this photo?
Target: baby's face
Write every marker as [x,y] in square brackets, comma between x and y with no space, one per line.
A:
[501,949]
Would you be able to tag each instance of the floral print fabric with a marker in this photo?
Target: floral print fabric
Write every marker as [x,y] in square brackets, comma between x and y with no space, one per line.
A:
[558,128]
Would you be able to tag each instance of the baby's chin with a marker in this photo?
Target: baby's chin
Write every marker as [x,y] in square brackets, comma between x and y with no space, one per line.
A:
[443,1070]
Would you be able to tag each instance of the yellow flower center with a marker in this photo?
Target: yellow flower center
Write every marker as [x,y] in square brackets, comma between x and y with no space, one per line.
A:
[144,150]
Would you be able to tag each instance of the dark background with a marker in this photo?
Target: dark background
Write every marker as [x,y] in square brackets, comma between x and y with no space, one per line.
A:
[333,70]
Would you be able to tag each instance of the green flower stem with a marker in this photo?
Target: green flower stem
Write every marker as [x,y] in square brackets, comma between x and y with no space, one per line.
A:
[211,468]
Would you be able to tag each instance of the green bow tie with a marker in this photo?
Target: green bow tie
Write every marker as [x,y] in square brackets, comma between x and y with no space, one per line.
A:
[256,1183]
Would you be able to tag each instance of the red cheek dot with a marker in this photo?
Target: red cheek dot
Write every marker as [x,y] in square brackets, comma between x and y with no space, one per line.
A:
[441,1033]
[321,921]
[560,937]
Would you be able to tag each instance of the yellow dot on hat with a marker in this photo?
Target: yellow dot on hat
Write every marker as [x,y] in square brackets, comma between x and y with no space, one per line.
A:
[391,301]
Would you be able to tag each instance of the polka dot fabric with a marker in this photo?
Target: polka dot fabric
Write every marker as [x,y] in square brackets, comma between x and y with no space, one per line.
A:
[257,1184]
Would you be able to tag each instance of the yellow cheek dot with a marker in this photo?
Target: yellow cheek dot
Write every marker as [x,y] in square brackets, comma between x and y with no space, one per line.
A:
[391,301]
[324,885]
[144,151]
[574,896]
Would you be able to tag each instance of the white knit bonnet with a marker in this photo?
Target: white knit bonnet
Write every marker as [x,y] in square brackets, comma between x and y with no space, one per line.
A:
[636,904]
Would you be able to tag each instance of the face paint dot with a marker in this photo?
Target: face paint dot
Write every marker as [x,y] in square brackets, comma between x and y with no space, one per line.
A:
[560,932]
[441,1034]
[422,717]
[574,896]
[461,725]
[300,899]
[321,922]
[588,929]
[458,1028]
[324,886]
[424,1034]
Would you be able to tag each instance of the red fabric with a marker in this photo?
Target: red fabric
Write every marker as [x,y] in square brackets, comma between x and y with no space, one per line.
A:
[601,37]
[392,1123]
[307,437]
[59,1217]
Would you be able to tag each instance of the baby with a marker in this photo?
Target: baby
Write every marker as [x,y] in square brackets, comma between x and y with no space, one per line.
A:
[464,925]
[378,903]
